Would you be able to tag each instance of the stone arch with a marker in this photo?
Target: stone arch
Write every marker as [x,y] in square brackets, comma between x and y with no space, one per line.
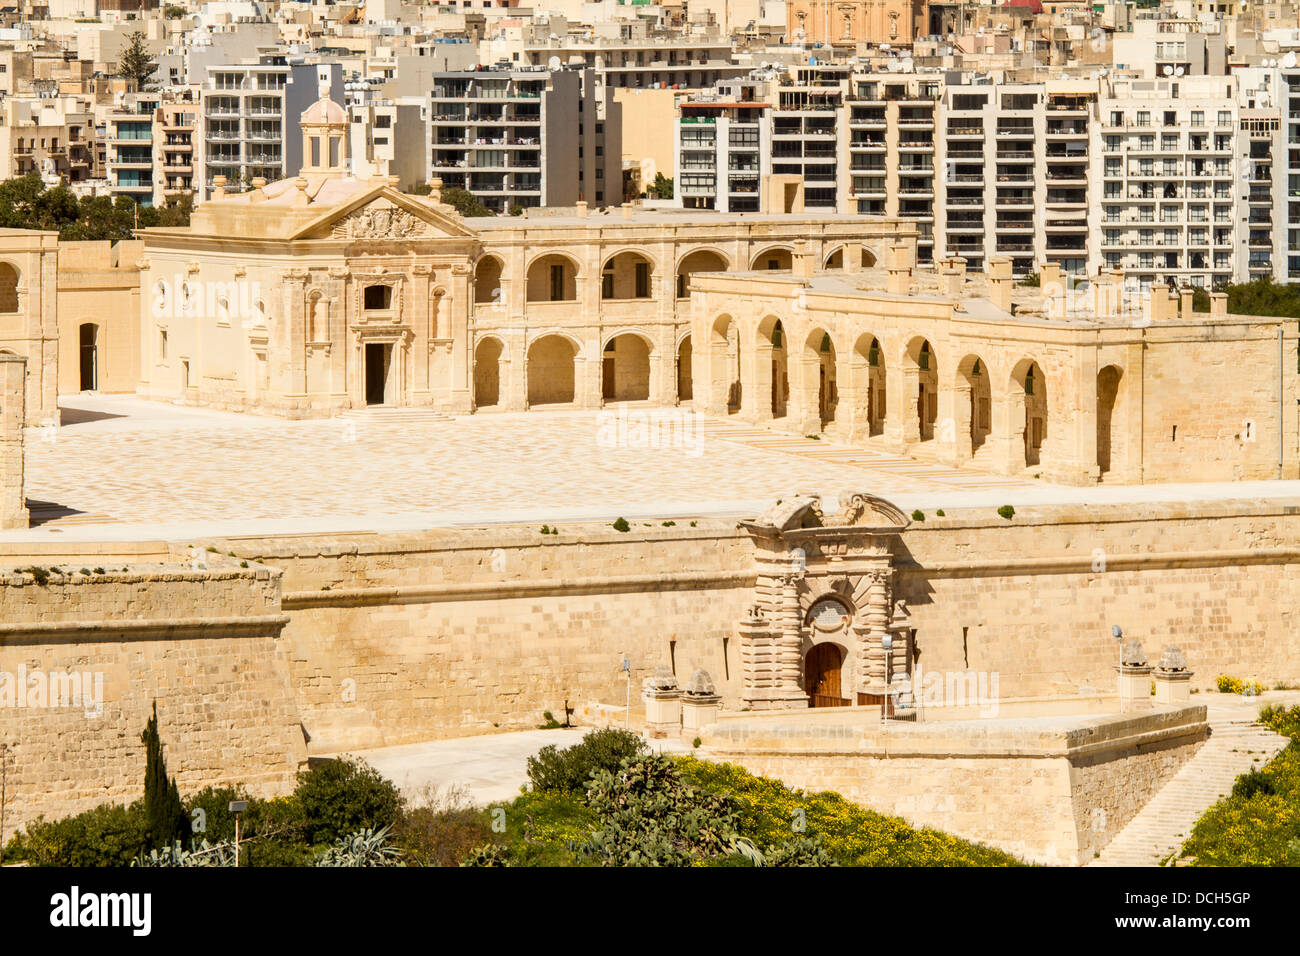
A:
[1110,446]
[819,363]
[487,371]
[627,275]
[773,357]
[552,277]
[550,369]
[974,410]
[698,260]
[867,382]
[724,364]
[920,358]
[625,367]
[835,260]
[439,324]
[774,258]
[9,279]
[488,274]
[1028,402]
[685,384]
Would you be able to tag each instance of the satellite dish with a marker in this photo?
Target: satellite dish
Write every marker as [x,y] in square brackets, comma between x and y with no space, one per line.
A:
[1289,61]
[554,63]
[1179,71]
[1168,70]
[1102,71]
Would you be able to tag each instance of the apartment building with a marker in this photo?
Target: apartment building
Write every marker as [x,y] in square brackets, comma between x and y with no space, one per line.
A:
[130,148]
[52,136]
[389,139]
[723,147]
[249,118]
[175,132]
[1179,186]
[526,137]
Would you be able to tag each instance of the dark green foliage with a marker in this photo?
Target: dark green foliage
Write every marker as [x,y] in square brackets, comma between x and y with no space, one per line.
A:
[570,769]
[1031,280]
[648,816]
[464,202]
[1008,512]
[1251,783]
[26,203]
[661,188]
[918,515]
[218,823]
[339,797]
[162,801]
[105,836]
[622,525]
[134,63]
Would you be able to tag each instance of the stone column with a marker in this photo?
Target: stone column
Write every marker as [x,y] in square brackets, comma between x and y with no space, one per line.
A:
[455,314]
[700,703]
[960,450]
[1173,679]
[13,413]
[663,706]
[870,627]
[1134,678]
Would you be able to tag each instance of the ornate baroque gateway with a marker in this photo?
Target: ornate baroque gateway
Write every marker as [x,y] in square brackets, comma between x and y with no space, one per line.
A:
[821,631]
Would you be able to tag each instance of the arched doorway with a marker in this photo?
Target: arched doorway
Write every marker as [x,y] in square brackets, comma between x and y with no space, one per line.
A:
[1030,388]
[774,260]
[779,392]
[1108,381]
[89,337]
[702,260]
[922,356]
[724,364]
[625,370]
[685,385]
[550,370]
[820,347]
[487,281]
[487,373]
[869,382]
[552,278]
[822,676]
[975,375]
[626,276]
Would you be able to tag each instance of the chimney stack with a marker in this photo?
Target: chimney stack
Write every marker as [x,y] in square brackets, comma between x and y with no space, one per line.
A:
[900,269]
[1218,305]
[1000,280]
[1185,304]
[582,209]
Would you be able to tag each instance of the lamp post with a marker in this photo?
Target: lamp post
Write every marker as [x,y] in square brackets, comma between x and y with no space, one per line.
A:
[237,807]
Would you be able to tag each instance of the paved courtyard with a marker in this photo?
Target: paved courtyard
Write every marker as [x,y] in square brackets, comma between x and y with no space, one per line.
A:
[120,466]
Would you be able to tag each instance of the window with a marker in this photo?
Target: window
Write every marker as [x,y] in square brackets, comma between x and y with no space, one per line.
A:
[378,297]
[1225,118]
[607,282]
[1198,118]
[557,283]
[642,280]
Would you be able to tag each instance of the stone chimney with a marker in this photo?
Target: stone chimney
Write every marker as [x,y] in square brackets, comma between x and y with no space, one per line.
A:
[13,412]
[1185,304]
[1218,305]
[804,262]
[900,269]
[1049,276]
[582,209]
[953,276]
[999,277]
[218,187]
[1157,303]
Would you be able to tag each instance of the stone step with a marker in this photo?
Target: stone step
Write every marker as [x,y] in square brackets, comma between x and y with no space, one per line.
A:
[383,413]
[1234,747]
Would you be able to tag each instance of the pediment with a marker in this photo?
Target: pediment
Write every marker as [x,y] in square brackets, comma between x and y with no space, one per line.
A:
[386,214]
[852,510]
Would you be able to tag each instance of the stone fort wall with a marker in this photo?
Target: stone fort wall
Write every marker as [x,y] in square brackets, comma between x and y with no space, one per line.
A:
[328,644]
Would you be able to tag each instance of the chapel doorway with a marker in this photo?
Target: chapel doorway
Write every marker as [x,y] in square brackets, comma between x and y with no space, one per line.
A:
[821,671]
[378,356]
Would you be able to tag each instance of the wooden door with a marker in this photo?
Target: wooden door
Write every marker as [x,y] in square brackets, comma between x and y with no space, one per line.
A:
[822,676]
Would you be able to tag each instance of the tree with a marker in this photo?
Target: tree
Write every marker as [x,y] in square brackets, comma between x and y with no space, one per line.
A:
[661,188]
[464,202]
[162,801]
[135,63]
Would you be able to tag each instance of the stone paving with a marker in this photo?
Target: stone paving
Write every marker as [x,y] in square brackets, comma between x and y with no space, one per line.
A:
[122,465]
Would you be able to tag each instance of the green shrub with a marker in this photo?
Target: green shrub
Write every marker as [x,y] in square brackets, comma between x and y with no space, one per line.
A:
[1006,511]
[1251,783]
[1285,722]
[622,525]
[442,830]
[570,769]
[939,513]
[542,828]
[1235,685]
[364,848]
[339,797]
[109,835]
[217,821]
[918,515]
[162,800]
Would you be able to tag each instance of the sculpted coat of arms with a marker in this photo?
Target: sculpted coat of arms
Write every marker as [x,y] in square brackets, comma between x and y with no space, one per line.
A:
[380,222]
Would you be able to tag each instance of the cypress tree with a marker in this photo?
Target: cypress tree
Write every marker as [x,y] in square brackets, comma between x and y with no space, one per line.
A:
[162,800]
